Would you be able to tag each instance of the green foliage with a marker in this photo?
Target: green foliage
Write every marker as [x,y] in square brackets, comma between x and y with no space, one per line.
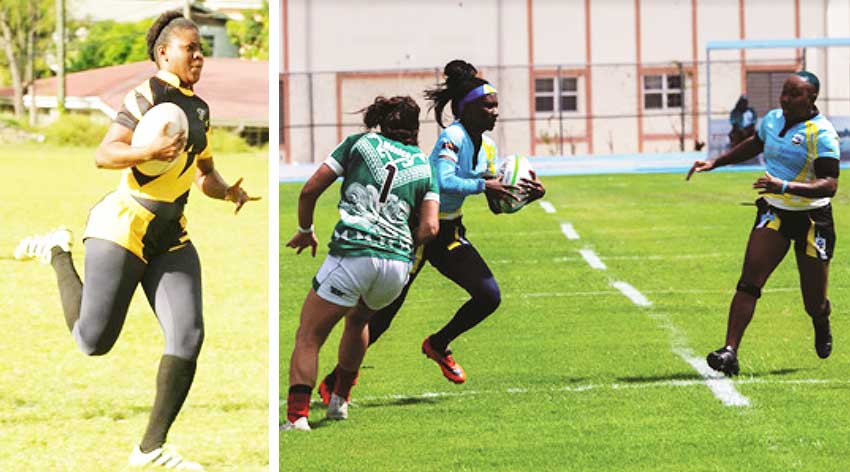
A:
[251,35]
[75,130]
[108,43]
[225,141]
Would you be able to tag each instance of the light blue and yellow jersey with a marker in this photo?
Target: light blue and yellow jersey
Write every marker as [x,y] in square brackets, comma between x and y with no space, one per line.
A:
[459,173]
[791,156]
[145,213]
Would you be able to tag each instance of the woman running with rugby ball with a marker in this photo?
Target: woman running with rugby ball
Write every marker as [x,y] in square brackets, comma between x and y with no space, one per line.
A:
[137,234]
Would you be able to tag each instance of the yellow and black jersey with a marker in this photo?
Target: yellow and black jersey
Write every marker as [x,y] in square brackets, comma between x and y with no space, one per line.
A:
[174,184]
[145,214]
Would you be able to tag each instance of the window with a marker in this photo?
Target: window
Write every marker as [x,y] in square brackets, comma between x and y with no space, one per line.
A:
[662,92]
[553,95]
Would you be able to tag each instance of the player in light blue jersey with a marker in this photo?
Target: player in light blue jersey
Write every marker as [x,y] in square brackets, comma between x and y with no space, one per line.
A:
[801,151]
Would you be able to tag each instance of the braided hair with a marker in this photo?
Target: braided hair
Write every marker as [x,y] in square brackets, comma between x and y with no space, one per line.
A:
[397,117]
[460,80]
[160,31]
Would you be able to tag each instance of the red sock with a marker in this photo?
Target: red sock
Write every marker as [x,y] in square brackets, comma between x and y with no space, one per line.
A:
[344,381]
[298,402]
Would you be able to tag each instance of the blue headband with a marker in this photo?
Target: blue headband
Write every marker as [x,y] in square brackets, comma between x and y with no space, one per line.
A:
[474,94]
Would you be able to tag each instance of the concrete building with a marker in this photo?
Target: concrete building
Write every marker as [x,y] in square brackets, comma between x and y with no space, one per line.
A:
[575,77]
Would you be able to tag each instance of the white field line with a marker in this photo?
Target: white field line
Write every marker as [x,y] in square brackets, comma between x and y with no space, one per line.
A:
[569,231]
[592,259]
[579,389]
[547,207]
[656,257]
[632,293]
[722,388]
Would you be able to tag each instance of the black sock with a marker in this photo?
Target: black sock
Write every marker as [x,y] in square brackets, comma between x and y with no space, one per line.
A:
[470,314]
[70,286]
[172,386]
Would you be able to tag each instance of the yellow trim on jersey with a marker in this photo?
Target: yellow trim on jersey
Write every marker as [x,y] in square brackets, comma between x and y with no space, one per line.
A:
[797,201]
[490,150]
[173,80]
[120,219]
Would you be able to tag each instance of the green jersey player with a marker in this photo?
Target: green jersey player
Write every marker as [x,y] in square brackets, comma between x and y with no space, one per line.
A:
[389,203]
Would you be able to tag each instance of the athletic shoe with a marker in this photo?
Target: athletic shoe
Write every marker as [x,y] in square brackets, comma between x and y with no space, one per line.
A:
[337,408]
[41,246]
[300,424]
[451,369]
[326,388]
[823,337]
[724,360]
[162,457]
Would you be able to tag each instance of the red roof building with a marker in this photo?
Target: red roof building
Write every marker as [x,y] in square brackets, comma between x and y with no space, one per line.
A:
[236,90]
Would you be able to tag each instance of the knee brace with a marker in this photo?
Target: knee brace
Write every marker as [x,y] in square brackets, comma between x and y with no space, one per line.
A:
[749,288]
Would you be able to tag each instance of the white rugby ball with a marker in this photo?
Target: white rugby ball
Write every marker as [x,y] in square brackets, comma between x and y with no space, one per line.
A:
[513,169]
[151,125]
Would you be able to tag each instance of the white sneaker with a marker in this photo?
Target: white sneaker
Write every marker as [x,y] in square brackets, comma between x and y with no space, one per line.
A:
[300,424]
[162,457]
[337,408]
[40,246]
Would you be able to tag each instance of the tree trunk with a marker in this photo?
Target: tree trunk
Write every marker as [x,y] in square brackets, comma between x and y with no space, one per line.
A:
[14,66]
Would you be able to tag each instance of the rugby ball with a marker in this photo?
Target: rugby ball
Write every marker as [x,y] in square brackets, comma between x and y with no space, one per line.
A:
[513,169]
[151,125]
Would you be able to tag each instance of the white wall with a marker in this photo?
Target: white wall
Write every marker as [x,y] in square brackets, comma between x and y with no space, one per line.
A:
[388,35]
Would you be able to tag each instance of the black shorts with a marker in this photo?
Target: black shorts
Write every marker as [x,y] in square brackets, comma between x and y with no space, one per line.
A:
[812,231]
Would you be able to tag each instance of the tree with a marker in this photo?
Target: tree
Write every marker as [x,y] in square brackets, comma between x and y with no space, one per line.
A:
[25,26]
[251,34]
[108,43]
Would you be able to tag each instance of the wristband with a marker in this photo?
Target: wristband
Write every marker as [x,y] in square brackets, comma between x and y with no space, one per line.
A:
[305,230]
[784,186]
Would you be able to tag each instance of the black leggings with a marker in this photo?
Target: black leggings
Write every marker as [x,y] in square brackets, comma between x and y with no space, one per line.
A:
[172,284]
[458,260]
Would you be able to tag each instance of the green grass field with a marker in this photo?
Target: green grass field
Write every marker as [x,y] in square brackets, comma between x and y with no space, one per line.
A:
[569,374]
[62,411]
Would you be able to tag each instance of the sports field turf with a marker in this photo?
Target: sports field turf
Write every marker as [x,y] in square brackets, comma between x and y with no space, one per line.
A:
[570,374]
[62,411]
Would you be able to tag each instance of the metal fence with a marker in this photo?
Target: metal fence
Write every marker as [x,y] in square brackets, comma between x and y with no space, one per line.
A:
[560,109]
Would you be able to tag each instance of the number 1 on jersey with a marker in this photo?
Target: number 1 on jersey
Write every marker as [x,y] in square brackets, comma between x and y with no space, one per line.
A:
[388,182]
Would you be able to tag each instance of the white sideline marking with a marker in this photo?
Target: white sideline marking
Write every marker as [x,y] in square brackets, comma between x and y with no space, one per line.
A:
[569,231]
[592,259]
[547,207]
[581,388]
[631,293]
[720,386]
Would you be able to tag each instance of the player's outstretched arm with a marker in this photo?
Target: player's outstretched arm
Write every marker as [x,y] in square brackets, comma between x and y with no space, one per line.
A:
[746,149]
[310,193]
[213,185]
[115,151]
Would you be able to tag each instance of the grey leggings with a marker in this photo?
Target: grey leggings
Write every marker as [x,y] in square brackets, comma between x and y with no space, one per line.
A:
[172,284]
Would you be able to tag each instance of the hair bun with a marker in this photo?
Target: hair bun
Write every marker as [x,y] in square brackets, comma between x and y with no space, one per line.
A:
[459,70]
